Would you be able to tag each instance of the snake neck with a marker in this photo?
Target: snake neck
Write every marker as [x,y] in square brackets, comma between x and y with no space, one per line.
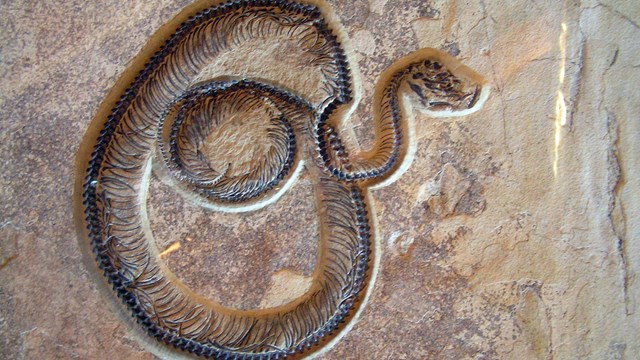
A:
[433,88]
[388,144]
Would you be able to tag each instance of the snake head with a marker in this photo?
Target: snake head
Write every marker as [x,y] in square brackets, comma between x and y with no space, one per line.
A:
[442,91]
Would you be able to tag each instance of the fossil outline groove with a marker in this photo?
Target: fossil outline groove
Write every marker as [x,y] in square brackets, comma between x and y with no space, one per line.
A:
[166,113]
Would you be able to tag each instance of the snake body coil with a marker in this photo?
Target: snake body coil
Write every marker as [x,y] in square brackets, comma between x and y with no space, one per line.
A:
[167,111]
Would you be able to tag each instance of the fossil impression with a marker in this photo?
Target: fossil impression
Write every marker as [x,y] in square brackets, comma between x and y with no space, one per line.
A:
[174,112]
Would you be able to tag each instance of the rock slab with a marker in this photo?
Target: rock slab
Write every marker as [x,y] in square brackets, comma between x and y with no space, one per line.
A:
[514,234]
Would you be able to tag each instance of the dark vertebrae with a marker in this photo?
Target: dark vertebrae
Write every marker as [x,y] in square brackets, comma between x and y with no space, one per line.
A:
[195,117]
[170,111]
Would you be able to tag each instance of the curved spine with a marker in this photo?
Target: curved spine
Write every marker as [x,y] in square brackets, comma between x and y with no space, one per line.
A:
[167,109]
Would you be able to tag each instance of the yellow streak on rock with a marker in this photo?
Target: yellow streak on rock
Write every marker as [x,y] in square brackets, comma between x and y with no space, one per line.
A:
[173,247]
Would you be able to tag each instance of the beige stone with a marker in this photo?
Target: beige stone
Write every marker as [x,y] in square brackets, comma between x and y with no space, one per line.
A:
[515,233]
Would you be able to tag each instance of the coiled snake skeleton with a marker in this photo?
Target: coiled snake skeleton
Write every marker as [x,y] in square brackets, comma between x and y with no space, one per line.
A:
[168,112]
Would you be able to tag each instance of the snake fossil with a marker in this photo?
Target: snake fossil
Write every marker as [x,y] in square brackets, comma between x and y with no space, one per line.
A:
[171,114]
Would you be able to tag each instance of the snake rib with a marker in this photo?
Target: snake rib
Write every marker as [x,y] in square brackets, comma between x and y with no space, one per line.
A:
[168,110]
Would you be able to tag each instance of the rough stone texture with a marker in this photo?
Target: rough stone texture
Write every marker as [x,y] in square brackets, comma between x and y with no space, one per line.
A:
[514,234]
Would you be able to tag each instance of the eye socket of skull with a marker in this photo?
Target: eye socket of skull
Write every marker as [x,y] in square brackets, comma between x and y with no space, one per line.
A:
[213,124]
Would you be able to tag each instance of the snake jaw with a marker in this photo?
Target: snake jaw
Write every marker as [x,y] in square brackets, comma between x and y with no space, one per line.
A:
[474,97]
[438,90]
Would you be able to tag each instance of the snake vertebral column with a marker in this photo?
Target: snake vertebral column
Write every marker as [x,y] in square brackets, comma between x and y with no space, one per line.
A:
[172,111]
